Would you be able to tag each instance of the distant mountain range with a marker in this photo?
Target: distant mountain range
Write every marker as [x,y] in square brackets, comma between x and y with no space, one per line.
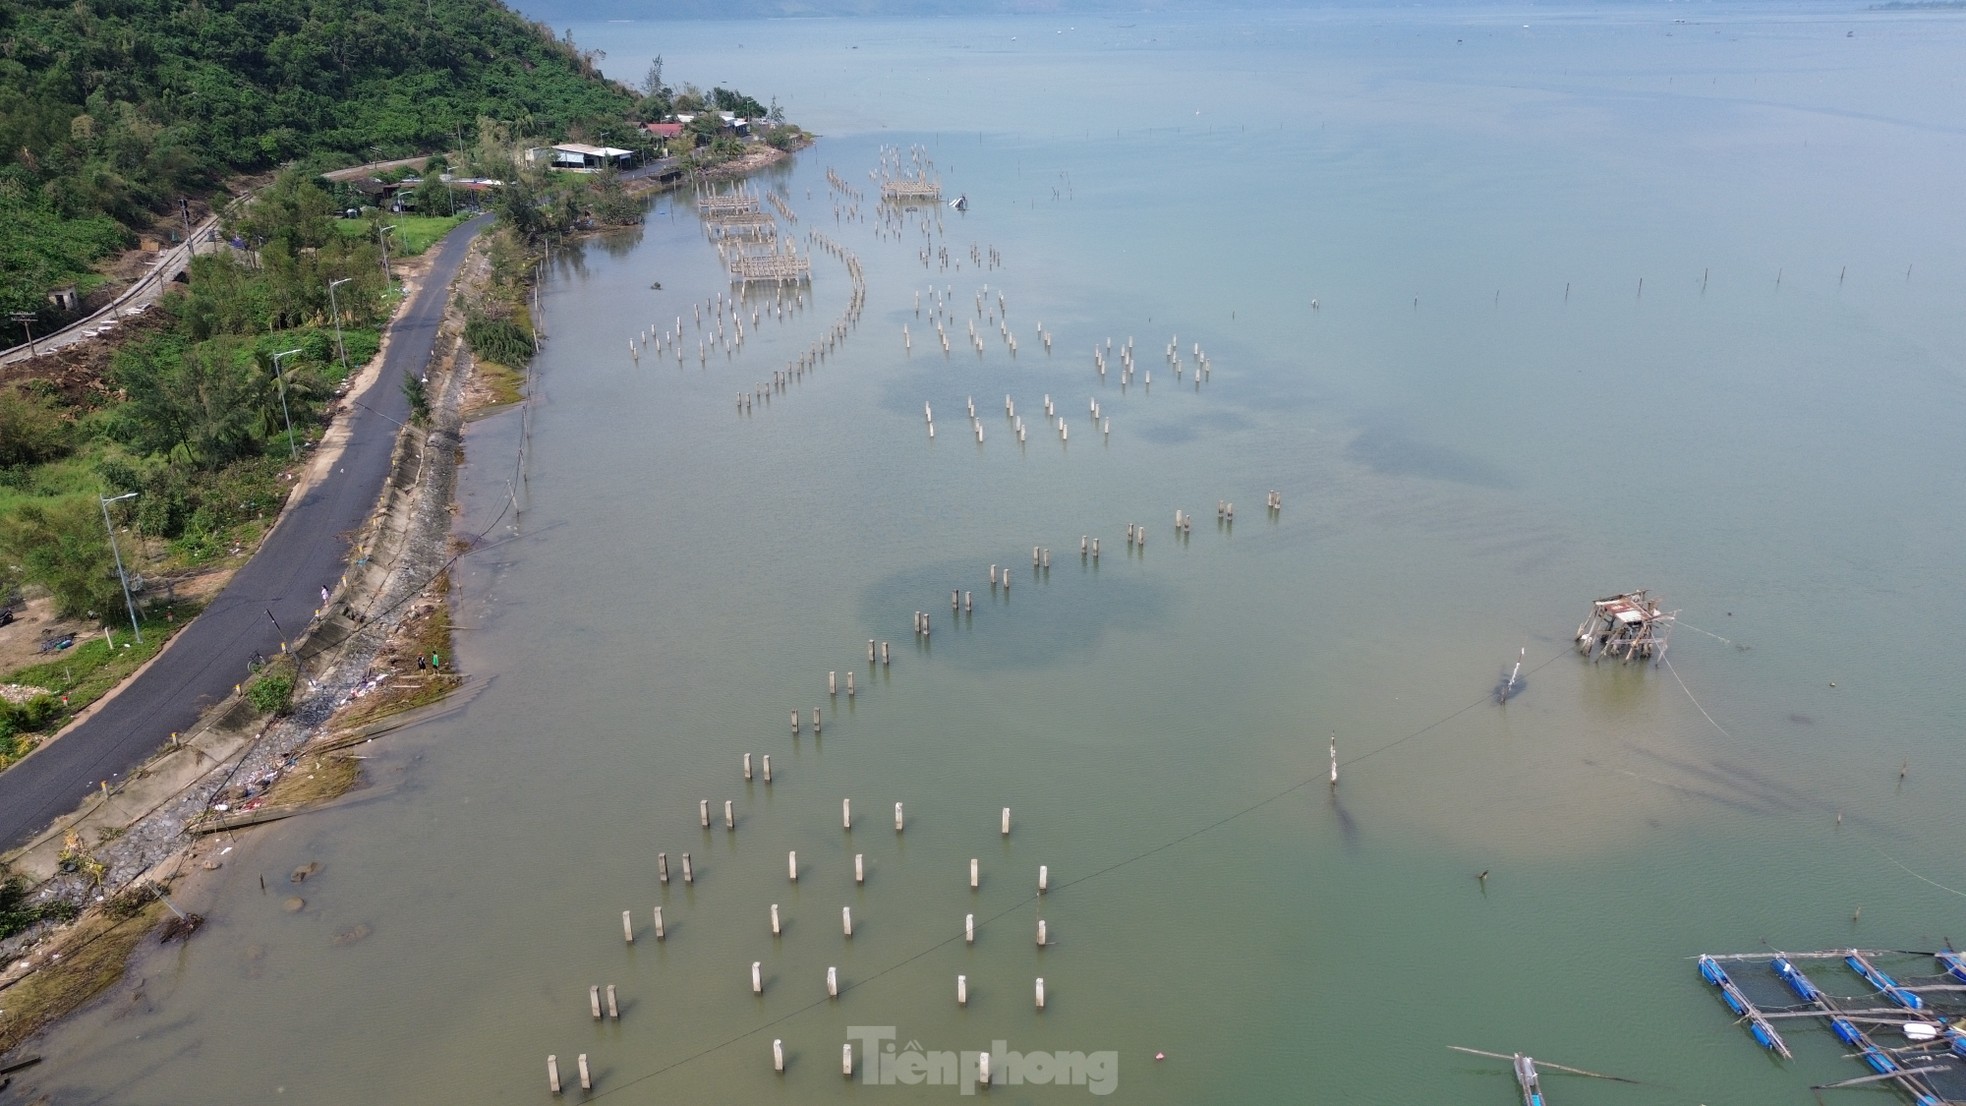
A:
[560,12]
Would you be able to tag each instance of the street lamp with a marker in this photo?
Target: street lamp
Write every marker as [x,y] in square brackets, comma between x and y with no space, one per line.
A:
[128,603]
[282,381]
[382,236]
[336,307]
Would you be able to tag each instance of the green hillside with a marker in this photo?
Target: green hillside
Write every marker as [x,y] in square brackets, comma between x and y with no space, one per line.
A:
[112,109]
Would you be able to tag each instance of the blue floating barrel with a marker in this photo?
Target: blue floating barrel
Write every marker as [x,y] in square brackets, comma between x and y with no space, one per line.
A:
[1797,982]
[1711,971]
[1845,1031]
[1954,965]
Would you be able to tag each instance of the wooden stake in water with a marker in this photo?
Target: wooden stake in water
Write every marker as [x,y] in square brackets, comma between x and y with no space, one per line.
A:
[897,817]
[586,1076]
[775,931]
[846,1059]
[703,812]
[859,868]
[628,926]
[659,934]
[730,815]
[846,921]
[792,865]
[662,867]
[1006,821]
[846,813]
[689,872]
[553,1073]
[983,1068]
[962,990]
[757,977]
[747,766]
[1040,992]
[594,1001]
[614,1007]
[778,1054]
[974,873]
[1044,878]
[832,983]
[969,929]
[767,767]
[1334,760]
[1041,938]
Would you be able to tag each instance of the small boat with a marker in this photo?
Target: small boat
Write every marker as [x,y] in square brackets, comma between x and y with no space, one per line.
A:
[1528,1078]
[960,203]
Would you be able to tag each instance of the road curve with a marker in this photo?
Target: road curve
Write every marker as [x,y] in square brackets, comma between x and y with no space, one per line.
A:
[306,550]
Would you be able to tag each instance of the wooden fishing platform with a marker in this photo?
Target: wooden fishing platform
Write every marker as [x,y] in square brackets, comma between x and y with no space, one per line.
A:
[777,266]
[1929,1067]
[1628,626]
[752,224]
[915,189]
[711,203]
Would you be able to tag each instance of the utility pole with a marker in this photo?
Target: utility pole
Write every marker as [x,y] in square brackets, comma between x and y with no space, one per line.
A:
[26,319]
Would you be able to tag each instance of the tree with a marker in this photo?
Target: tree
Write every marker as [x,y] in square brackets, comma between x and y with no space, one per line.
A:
[32,430]
[60,545]
[204,399]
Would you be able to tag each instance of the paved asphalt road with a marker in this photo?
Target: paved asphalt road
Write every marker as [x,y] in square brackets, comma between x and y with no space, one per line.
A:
[306,550]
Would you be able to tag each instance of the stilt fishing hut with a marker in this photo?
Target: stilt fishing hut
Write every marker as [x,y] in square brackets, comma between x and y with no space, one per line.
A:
[1626,626]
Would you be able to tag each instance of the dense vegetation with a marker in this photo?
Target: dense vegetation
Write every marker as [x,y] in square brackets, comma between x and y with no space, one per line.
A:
[110,110]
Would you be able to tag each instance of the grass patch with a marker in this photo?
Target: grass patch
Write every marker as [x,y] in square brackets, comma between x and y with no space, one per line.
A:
[413,234]
[316,779]
[504,384]
[93,957]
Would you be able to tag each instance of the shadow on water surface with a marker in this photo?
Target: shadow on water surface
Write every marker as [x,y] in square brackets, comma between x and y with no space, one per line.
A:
[1391,451]
[1031,625]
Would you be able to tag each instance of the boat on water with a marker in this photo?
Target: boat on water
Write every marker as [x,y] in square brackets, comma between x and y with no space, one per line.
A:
[1528,1080]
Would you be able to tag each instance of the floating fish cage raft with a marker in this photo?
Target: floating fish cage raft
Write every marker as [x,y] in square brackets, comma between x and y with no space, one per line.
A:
[1903,1027]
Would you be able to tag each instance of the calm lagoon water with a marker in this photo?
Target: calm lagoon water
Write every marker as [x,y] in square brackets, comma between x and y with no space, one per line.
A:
[1604,300]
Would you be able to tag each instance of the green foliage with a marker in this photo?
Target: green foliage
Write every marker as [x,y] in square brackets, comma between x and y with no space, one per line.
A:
[500,340]
[112,109]
[42,249]
[272,691]
[419,397]
[32,428]
[17,914]
[412,235]
[60,545]
[610,202]
[724,99]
